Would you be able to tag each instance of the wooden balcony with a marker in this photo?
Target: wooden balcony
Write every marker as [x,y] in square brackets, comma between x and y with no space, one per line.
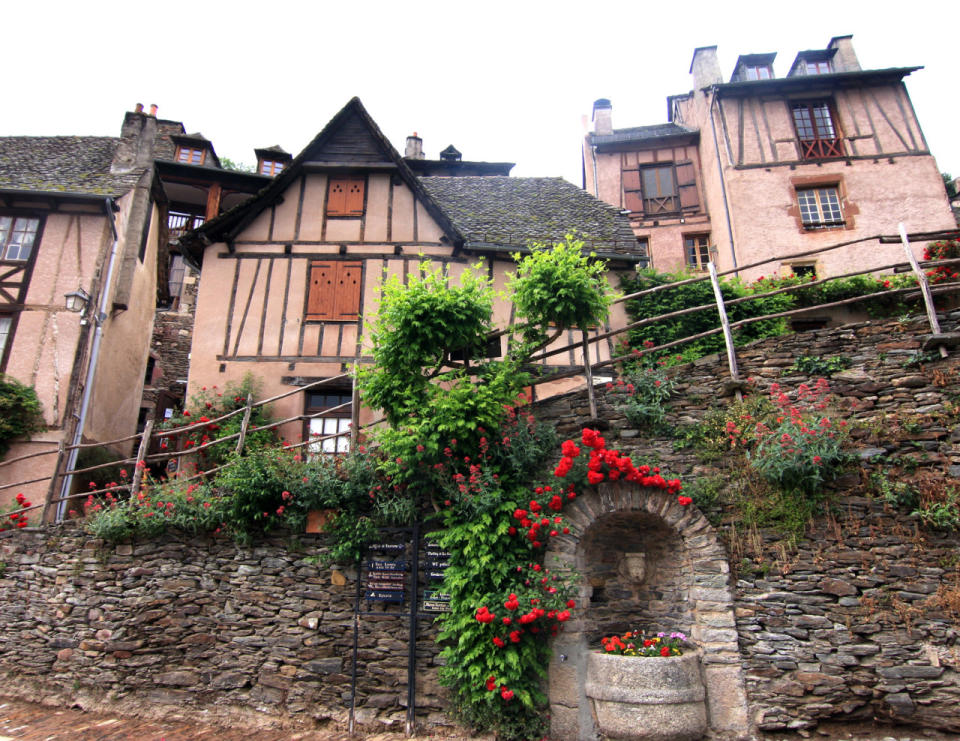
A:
[818,149]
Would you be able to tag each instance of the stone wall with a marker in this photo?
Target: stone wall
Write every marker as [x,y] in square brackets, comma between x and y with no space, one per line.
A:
[202,628]
[861,619]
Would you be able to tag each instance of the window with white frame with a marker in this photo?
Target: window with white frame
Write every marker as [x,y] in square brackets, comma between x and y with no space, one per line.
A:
[820,207]
[696,249]
[329,414]
[5,324]
[17,235]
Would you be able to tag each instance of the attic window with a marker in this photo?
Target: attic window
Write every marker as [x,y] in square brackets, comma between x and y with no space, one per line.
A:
[271,167]
[756,72]
[190,155]
[345,196]
[818,67]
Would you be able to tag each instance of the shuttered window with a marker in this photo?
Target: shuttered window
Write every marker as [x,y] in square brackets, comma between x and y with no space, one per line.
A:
[661,189]
[334,291]
[345,196]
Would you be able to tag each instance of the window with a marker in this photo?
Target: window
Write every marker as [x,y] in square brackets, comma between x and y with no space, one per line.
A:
[334,291]
[179,223]
[805,270]
[5,323]
[820,207]
[17,235]
[696,249]
[816,130]
[330,413]
[190,155]
[661,190]
[757,72]
[271,167]
[345,196]
[178,270]
[819,68]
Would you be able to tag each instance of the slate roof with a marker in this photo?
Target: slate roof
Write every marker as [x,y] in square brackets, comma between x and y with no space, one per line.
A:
[62,164]
[506,213]
[642,134]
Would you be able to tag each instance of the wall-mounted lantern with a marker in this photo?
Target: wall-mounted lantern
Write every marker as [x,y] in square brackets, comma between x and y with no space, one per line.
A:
[78,300]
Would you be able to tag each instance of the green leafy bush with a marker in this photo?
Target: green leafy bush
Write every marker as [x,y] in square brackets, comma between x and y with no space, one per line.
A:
[20,412]
[811,365]
[642,395]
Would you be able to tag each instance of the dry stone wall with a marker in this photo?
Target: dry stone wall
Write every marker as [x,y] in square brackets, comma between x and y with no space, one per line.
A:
[202,627]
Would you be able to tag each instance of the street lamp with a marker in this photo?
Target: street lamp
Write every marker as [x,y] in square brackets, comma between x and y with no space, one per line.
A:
[77,300]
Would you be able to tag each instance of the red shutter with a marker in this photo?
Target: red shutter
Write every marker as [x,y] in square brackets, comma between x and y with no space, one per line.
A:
[631,180]
[632,201]
[687,185]
[320,302]
[354,204]
[336,197]
[347,301]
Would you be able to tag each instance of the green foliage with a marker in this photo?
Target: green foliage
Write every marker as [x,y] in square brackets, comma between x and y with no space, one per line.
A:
[944,515]
[698,294]
[711,440]
[642,396]
[560,286]
[811,365]
[228,164]
[254,485]
[20,412]
[898,494]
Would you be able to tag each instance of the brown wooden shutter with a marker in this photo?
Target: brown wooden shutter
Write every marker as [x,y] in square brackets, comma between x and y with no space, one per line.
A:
[345,196]
[632,198]
[320,301]
[349,283]
[631,180]
[354,203]
[687,185]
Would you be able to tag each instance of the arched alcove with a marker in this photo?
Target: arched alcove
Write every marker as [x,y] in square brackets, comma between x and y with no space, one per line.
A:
[644,562]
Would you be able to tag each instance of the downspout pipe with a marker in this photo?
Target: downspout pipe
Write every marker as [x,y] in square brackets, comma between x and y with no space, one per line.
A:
[723,182]
[109,207]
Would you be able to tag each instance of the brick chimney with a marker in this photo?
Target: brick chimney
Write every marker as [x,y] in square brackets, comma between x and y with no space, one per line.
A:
[135,150]
[602,116]
[845,60]
[705,68]
[414,148]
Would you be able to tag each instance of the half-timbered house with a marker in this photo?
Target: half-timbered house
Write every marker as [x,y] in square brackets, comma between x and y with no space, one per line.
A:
[80,224]
[289,280]
[762,165]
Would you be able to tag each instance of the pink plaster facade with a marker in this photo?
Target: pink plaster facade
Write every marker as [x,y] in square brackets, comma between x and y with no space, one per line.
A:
[253,311]
[752,163]
[252,301]
[50,347]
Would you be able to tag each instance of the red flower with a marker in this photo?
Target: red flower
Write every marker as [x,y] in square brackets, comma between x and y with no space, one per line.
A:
[491,683]
[571,603]
[594,477]
[665,651]
[515,636]
[498,642]
[506,694]
[684,501]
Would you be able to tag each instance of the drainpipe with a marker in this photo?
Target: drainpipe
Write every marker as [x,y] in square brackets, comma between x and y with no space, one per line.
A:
[99,316]
[723,183]
[596,183]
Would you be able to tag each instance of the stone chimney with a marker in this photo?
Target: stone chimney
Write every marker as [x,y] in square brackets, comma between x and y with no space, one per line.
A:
[135,150]
[414,148]
[845,60]
[705,68]
[602,116]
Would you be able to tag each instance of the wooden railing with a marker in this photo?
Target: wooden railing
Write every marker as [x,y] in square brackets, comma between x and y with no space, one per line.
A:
[144,458]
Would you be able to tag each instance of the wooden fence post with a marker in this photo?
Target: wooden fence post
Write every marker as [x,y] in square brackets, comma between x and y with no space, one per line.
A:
[141,456]
[354,411]
[245,424]
[724,322]
[924,287]
[51,490]
[588,372]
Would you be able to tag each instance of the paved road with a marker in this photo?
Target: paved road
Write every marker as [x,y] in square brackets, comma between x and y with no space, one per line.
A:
[23,721]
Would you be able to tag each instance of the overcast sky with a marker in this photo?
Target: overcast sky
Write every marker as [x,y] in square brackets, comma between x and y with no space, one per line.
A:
[502,81]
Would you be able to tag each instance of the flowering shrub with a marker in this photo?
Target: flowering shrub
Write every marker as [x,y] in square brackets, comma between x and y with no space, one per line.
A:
[641,395]
[15,518]
[800,448]
[636,643]
[20,411]
[948,249]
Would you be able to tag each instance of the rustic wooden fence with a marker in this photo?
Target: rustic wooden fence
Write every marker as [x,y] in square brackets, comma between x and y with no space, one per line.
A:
[143,458]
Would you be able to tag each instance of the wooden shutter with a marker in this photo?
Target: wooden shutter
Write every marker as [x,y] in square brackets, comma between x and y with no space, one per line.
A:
[687,185]
[632,199]
[320,301]
[345,196]
[334,291]
[347,301]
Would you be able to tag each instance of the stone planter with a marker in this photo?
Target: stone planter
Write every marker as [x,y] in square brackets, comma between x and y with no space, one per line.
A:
[649,698]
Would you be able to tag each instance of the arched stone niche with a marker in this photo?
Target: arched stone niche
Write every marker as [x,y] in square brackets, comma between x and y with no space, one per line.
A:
[644,562]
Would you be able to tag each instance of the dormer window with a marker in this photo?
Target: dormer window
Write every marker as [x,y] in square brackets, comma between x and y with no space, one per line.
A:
[757,72]
[271,167]
[191,155]
[819,68]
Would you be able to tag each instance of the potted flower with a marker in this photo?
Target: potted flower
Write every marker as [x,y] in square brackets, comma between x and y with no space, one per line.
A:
[647,687]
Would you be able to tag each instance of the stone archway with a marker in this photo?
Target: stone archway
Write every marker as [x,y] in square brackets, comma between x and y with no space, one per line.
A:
[686,587]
